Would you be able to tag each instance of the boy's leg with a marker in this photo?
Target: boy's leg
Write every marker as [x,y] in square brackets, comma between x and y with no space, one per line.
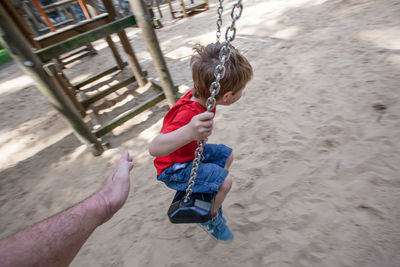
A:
[222,156]
[223,190]
[229,161]
[217,227]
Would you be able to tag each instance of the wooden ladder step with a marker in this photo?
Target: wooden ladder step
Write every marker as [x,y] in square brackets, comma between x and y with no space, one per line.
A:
[127,115]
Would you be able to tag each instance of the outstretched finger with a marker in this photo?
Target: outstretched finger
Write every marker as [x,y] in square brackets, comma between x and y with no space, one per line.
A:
[124,162]
[125,155]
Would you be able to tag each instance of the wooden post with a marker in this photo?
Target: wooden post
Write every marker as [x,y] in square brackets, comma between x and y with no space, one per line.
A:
[149,36]
[59,78]
[88,15]
[21,23]
[94,11]
[184,9]
[109,6]
[92,7]
[22,52]
[115,53]
[133,62]
[84,9]
[130,54]
[158,8]
[171,9]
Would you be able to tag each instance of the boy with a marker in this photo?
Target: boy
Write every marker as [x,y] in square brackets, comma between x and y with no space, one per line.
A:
[188,121]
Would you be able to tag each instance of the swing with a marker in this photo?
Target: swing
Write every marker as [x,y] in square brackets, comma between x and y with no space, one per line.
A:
[186,206]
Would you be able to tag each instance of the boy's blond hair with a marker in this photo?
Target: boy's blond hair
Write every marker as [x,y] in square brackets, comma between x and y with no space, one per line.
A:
[238,70]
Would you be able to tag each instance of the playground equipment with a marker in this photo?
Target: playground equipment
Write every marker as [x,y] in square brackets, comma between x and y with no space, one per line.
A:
[39,57]
[187,8]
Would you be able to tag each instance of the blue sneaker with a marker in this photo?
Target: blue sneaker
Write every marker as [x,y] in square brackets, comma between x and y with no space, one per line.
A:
[217,228]
[220,213]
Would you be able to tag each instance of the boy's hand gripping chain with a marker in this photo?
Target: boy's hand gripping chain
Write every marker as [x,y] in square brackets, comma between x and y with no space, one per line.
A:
[215,86]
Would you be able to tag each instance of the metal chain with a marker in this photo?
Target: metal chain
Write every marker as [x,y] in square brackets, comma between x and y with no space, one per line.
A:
[220,9]
[215,86]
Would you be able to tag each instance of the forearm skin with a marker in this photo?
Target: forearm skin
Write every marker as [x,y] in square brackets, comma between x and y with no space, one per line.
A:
[54,241]
[165,144]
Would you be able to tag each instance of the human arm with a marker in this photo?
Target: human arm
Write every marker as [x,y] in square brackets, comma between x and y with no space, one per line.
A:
[56,240]
[199,128]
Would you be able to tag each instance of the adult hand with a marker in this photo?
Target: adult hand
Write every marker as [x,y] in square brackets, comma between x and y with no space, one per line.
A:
[115,188]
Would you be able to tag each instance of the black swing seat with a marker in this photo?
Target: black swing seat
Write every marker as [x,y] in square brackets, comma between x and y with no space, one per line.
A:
[196,210]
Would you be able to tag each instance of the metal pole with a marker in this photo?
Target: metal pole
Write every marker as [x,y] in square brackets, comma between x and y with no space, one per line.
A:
[31,64]
[145,23]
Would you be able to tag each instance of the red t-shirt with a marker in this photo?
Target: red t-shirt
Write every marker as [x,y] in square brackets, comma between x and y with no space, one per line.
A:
[179,115]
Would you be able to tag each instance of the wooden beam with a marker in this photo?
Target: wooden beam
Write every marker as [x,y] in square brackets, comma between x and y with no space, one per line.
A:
[158,8]
[142,14]
[197,6]
[98,76]
[44,15]
[84,9]
[88,53]
[22,52]
[115,53]
[187,9]
[92,7]
[183,8]
[75,52]
[59,78]
[131,57]
[107,91]
[71,31]
[57,4]
[120,119]
[21,23]
[62,23]
[171,9]
[53,51]
[109,6]
[87,102]
[56,25]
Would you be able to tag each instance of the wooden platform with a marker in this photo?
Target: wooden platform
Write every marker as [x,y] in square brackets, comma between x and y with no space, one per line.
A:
[72,30]
[55,50]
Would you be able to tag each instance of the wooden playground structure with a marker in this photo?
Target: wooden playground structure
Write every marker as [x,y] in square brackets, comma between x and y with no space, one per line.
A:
[187,8]
[44,57]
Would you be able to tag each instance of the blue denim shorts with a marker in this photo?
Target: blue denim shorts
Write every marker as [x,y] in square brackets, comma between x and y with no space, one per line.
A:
[210,175]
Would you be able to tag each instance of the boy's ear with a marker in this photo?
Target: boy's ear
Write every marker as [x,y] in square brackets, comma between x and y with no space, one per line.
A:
[226,97]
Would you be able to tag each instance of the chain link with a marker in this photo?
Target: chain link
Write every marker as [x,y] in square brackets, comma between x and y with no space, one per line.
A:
[236,12]
[220,9]
[215,86]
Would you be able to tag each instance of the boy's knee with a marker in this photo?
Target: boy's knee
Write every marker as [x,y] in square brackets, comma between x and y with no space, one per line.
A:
[227,184]
[229,161]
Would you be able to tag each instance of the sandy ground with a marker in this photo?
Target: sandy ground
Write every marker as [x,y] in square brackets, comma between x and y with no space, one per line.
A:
[316,139]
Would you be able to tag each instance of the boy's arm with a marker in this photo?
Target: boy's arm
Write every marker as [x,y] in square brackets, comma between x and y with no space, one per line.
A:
[199,128]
